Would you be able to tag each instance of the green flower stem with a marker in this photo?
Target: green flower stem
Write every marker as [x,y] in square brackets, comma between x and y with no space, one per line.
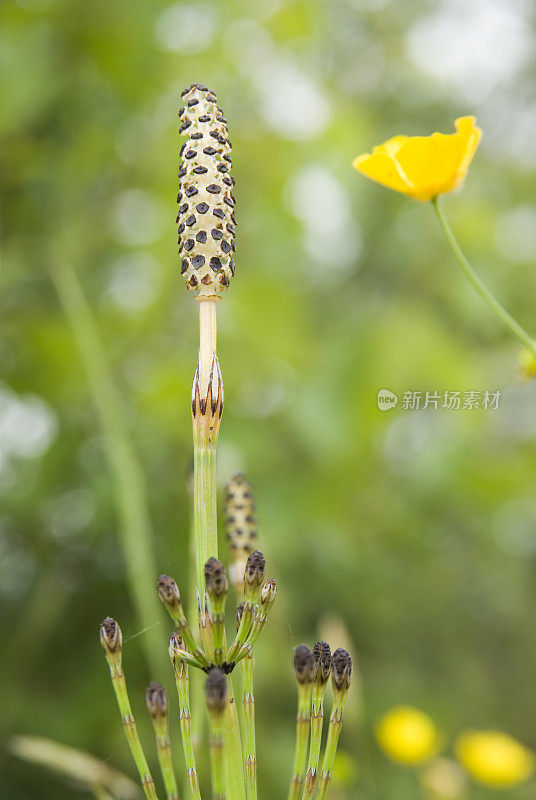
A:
[250,764]
[205,511]
[234,773]
[334,730]
[317,719]
[130,492]
[183,692]
[482,290]
[217,748]
[165,758]
[129,727]
[303,720]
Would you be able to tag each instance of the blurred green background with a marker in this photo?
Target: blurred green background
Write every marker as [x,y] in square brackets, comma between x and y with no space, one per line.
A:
[415,529]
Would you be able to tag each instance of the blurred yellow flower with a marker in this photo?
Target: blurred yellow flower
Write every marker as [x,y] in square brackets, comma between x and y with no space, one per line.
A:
[423,166]
[527,365]
[407,735]
[494,758]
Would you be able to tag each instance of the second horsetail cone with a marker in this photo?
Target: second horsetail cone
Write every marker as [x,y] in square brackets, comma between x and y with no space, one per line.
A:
[241,526]
[206,201]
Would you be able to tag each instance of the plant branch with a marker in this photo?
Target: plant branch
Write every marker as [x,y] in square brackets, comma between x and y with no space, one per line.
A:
[498,309]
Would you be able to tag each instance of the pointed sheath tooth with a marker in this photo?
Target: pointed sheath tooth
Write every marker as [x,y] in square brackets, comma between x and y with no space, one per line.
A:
[205,242]
[207,410]
[196,400]
[176,647]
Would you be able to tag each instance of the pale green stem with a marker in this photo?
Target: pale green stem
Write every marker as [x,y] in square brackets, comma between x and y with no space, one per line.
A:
[130,493]
[183,692]
[334,730]
[250,764]
[217,606]
[165,758]
[206,539]
[482,290]
[197,689]
[217,749]
[234,774]
[303,719]
[130,729]
[205,511]
[317,718]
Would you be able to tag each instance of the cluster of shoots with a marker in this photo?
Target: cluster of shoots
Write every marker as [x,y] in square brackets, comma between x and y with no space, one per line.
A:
[313,669]
[207,650]
[206,227]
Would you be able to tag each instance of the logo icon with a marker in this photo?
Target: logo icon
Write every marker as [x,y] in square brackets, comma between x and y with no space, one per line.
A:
[386,400]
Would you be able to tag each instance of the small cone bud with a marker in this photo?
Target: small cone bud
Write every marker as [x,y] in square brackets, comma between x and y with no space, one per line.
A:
[168,592]
[216,690]
[341,669]
[176,644]
[255,567]
[268,593]
[241,526]
[156,700]
[322,656]
[215,578]
[304,664]
[111,637]
[206,200]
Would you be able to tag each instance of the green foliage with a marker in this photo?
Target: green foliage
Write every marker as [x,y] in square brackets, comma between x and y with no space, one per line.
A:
[416,528]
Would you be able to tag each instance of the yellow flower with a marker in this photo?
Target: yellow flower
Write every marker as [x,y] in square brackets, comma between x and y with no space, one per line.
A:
[527,364]
[423,166]
[494,758]
[407,735]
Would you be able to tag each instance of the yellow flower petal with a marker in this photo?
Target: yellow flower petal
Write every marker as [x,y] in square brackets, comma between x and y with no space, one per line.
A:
[494,758]
[407,735]
[382,168]
[423,166]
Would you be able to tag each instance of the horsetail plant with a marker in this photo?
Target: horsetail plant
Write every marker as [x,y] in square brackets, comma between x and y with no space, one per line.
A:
[180,668]
[157,705]
[322,669]
[304,667]
[206,227]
